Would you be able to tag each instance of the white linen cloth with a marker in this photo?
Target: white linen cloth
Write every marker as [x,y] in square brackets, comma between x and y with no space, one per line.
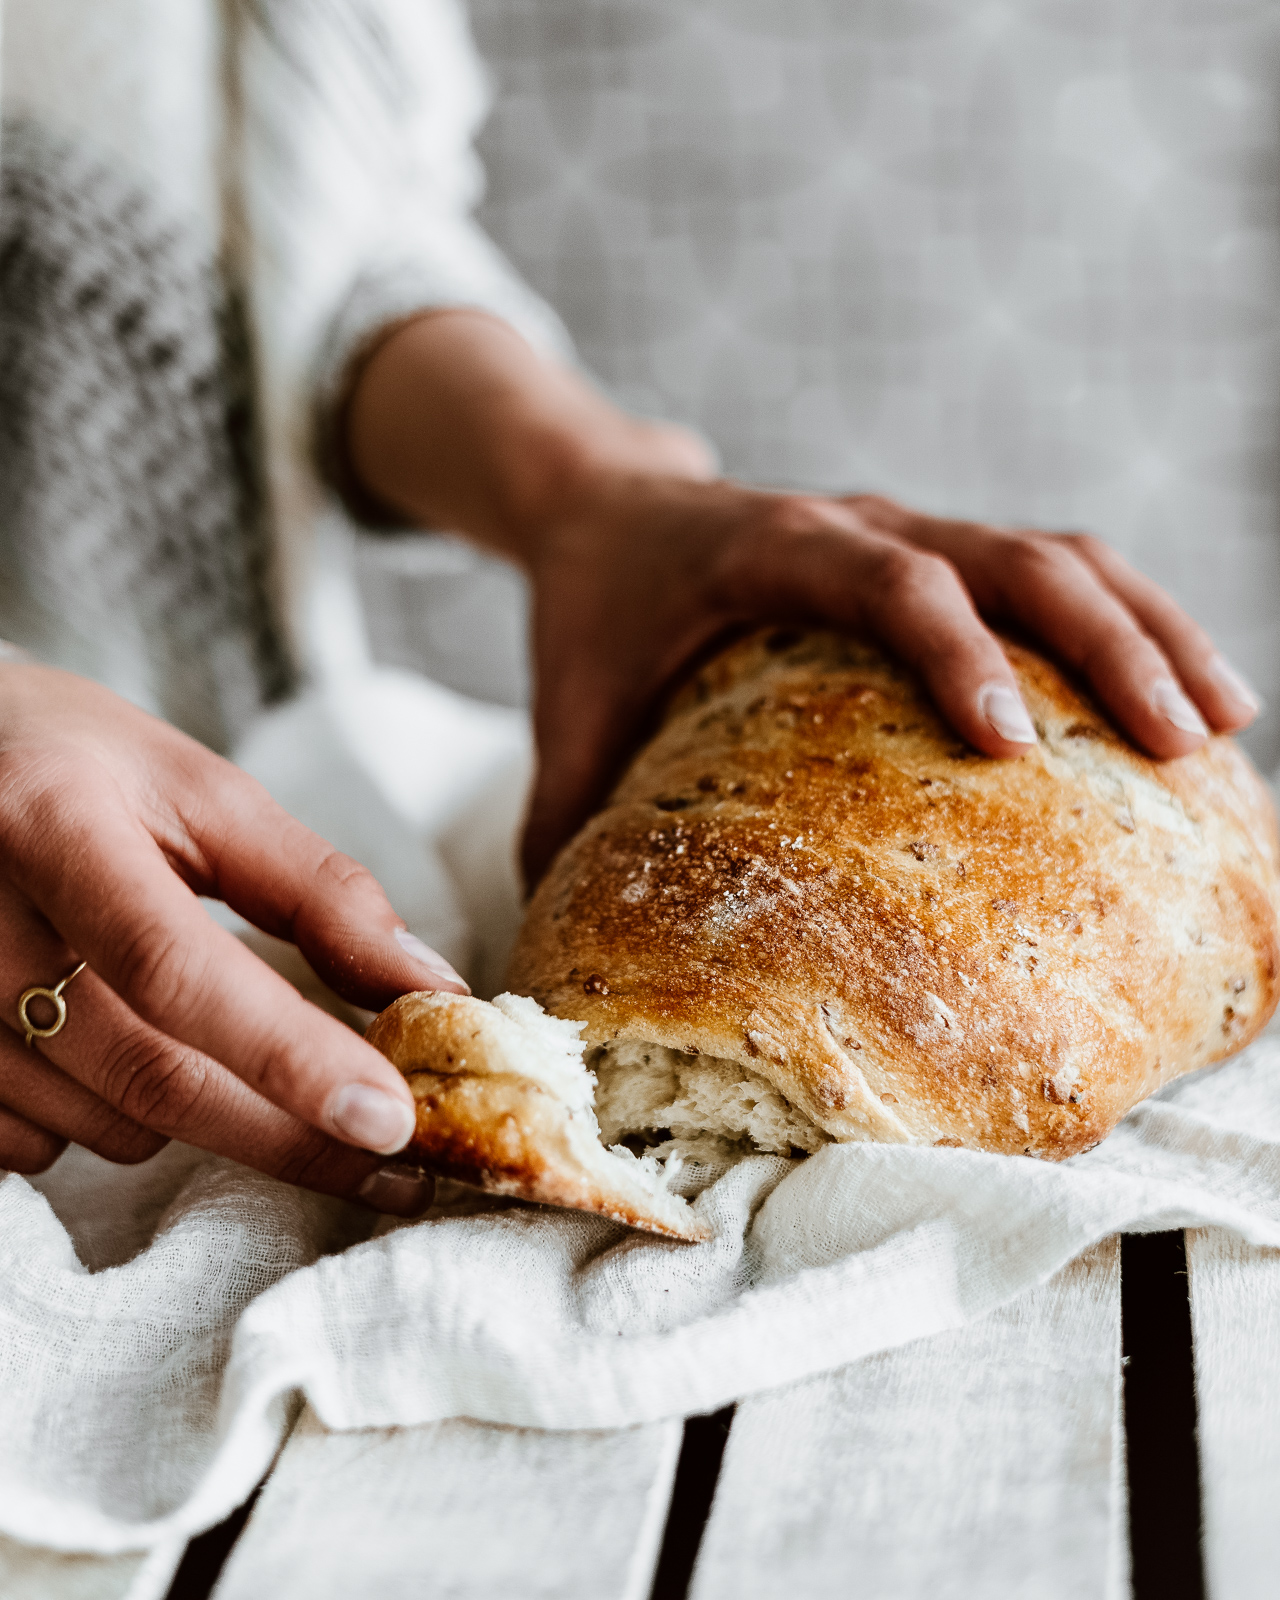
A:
[158,1323]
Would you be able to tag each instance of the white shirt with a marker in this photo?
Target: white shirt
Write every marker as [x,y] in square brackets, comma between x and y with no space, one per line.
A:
[284,178]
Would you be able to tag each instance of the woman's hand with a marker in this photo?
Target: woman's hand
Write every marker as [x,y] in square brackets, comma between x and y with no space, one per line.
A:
[649,570]
[111,823]
[640,562]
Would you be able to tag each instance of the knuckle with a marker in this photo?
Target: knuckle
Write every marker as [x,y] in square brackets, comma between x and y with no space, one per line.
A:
[879,510]
[152,968]
[35,798]
[791,516]
[275,1071]
[339,895]
[338,879]
[1085,545]
[1031,557]
[337,871]
[904,574]
[1115,643]
[894,568]
[154,1082]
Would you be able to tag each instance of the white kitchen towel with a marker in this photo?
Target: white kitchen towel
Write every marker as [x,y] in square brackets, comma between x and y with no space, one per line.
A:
[158,1324]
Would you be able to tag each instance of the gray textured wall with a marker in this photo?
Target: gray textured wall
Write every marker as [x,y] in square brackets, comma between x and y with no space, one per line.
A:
[1018,261]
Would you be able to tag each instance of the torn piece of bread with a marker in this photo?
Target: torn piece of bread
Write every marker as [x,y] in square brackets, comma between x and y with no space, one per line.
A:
[504,1102]
[809,911]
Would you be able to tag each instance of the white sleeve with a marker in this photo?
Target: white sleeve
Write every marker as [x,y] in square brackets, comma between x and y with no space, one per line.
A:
[359,177]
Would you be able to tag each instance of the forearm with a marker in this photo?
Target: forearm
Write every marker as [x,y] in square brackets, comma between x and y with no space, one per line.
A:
[455,421]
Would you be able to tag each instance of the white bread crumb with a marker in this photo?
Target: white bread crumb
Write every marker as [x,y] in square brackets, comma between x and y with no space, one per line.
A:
[700,1107]
[550,1052]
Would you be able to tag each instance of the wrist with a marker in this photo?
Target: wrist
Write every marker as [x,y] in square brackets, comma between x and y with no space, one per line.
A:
[594,470]
[456,422]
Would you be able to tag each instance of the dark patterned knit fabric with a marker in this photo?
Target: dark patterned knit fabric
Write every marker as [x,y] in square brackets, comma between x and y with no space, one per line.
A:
[132,528]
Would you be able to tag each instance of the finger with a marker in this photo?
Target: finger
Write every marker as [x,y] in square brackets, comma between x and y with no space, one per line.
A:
[811,560]
[576,750]
[177,1092]
[585,721]
[1227,701]
[115,1084]
[330,906]
[24,1147]
[147,936]
[1041,582]
[244,849]
[595,701]
[820,561]
[51,1099]
[1045,586]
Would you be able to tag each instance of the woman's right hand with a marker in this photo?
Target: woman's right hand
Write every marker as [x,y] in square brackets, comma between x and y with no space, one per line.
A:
[111,824]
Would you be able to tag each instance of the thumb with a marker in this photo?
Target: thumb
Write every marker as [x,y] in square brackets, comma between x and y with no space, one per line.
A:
[584,733]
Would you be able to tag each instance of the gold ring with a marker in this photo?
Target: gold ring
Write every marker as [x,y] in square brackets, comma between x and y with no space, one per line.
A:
[38,992]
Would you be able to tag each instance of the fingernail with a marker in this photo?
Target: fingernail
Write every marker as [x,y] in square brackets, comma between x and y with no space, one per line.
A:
[1237,686]
[1004,710]
[399,1190]
[372,1119]
[435,964]
[1173,705]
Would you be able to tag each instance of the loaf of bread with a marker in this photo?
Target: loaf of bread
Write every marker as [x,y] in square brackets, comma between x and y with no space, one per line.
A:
[810,912]
[504,1102]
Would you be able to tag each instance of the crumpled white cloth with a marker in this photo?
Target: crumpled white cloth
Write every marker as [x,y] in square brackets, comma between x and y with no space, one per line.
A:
[158,1324]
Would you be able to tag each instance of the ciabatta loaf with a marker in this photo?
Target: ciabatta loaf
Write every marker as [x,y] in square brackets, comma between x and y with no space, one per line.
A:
[810,912]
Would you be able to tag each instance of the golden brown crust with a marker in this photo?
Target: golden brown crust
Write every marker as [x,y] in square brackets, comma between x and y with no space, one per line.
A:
[807,872]
[482,1120]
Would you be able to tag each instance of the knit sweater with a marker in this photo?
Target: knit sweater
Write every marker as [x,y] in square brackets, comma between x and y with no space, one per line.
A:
[209,208]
